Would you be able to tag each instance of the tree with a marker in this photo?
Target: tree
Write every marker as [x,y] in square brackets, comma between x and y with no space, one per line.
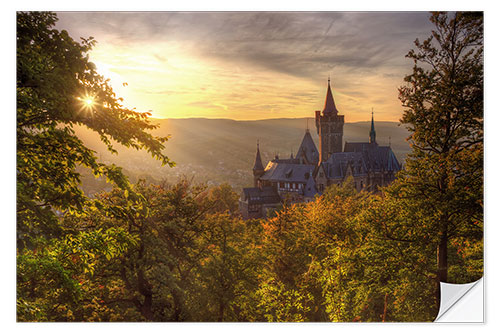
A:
[223,199]
[229,268]
[336,243]
[395,263]
[442,182]
[311,258]
[189,258]
[160,271]
[58,282]
[57,88]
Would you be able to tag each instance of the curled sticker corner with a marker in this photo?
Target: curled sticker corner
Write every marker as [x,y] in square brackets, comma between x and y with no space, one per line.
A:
[461,303]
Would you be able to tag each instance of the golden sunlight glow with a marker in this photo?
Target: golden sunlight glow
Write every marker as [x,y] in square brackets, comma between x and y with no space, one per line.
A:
[234,65]
[176,84]
[88,101]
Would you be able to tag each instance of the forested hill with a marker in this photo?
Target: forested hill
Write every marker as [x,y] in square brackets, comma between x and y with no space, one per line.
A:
[218,150]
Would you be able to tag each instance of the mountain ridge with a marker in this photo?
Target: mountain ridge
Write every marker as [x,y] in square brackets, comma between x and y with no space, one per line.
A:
[223,150]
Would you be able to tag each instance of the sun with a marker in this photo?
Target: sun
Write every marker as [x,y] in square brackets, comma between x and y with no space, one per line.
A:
[88,101]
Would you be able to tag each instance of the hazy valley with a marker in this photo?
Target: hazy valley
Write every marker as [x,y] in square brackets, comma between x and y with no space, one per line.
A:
[223,150]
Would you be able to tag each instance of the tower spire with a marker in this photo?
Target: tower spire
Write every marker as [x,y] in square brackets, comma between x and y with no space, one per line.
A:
[258,168]
[258,161]
[329,102]
[372,131]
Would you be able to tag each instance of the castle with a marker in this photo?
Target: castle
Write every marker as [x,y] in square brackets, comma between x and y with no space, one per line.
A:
[301,178]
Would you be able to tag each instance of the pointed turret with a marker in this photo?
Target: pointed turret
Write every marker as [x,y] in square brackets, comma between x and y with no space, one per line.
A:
[329,102]
[258,167]
[307,150]
[258,161]
[372,131]
[310,188]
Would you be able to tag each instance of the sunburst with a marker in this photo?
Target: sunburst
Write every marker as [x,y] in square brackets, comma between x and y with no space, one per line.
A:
[88,101]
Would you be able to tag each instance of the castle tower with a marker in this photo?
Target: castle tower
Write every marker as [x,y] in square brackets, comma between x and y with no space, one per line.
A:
[330,127]
[258,168]
[372,131]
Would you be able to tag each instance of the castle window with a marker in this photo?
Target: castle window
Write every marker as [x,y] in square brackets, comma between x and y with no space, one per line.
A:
[253,208]
[321,187]
[321,174]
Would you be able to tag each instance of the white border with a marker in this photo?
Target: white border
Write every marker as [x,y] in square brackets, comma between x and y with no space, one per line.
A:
[492,124]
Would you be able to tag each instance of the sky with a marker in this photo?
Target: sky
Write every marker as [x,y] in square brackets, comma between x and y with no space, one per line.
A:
[253,65]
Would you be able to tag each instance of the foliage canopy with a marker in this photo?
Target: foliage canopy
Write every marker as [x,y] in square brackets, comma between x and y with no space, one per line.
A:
[442,184]
[54,78]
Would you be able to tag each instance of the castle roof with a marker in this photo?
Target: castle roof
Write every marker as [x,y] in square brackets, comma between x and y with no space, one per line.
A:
[308,149]
[329,102]
[382,158]
[356,146]
[377,158]
[287,160]
[265,195]
[285,172]
[310,188]
[340,164]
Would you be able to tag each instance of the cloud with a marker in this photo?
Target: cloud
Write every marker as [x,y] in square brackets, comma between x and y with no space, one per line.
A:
[249,63]
[208,105]
[163,92]
[160,57]
[298,44]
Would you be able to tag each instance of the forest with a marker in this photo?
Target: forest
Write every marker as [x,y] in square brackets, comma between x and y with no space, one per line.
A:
[180,251]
